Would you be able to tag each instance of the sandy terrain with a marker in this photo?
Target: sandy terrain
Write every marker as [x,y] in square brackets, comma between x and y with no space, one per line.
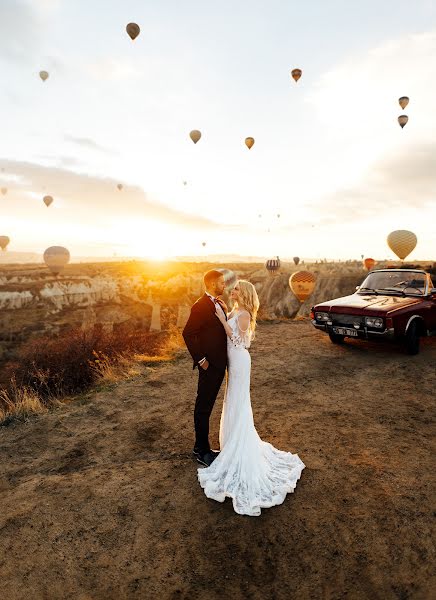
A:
[99,499]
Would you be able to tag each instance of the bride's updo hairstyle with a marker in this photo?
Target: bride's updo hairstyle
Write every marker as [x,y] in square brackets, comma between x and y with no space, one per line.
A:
[249,301]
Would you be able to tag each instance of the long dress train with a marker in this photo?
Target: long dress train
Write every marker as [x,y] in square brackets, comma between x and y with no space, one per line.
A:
[250,471]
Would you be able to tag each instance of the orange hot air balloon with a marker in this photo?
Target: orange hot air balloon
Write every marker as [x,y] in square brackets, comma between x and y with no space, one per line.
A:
[403,101]
[296,74]
[4,241]
[249,142]
[195,135]
[47,200]
[302,284]
[369,263]
[402,242]
[402,120]
[133,30]
[56,257]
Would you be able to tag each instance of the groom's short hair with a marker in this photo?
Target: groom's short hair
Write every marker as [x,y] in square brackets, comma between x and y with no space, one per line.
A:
[211,276]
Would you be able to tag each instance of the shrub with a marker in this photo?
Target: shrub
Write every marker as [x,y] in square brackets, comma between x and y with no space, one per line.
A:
[70,363]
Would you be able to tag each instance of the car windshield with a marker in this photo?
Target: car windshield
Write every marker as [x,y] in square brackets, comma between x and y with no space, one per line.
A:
[400,282]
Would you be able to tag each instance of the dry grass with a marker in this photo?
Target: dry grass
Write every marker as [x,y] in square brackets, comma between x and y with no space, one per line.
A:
[51,369]
[20,402]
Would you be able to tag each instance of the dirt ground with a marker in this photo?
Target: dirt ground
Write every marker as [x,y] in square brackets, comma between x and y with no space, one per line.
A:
[99,499]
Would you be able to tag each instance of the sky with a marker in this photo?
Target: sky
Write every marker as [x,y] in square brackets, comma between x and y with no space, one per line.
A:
[329,156]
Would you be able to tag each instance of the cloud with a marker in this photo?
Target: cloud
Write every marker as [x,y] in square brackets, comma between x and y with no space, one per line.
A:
[406,179]
[86,143]
[90,199]
[19,31]
[355,109]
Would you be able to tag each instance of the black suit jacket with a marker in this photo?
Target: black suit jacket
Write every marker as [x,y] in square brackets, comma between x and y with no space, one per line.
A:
[204,334]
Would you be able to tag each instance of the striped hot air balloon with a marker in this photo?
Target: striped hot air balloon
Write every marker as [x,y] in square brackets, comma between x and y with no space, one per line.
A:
[273,265]
[302,284]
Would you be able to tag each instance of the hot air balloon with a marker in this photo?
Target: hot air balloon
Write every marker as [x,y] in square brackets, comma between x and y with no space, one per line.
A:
[272,265]
[195,135]
[229,278]
[361,256]
[403,101]
[56,257]
[302,284]
[296,260]
[402,120]
[185,183]
[249,142]
[278,216]
[43,75]
[4,241]
[402,242]
[47,200]
[4,191]
[203,244]
[296,74]
[369,263]
[133,30]
[120,186]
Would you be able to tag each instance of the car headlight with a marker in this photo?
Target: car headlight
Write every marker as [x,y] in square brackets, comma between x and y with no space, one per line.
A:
[374,322]
[321,316]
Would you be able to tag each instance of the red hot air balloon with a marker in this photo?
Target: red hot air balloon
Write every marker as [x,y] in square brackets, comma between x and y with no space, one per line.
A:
[369,263]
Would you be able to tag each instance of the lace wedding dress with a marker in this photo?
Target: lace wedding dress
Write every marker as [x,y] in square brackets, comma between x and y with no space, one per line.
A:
[250,471]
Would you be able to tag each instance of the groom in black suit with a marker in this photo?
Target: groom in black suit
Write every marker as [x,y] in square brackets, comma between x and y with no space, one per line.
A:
[206,341]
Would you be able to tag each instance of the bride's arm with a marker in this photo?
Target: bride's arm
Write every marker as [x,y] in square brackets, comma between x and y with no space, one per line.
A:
[243,325]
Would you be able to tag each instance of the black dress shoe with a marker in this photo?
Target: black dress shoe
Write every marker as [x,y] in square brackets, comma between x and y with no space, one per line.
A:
[206,458]
[198,453]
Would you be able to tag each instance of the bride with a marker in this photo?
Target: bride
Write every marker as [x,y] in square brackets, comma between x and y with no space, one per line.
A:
[250,471]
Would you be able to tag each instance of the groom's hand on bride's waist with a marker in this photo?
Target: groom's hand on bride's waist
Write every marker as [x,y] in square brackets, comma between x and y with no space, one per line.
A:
[203,363]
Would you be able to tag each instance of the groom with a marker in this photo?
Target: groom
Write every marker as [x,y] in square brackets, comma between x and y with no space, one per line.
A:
[206,341]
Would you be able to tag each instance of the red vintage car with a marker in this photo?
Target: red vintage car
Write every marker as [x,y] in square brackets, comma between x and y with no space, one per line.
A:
[394,304]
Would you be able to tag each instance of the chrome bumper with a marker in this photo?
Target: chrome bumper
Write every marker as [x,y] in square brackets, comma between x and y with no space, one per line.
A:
[364,334]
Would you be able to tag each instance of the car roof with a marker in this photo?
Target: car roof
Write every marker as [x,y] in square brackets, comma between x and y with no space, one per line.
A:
[399,271]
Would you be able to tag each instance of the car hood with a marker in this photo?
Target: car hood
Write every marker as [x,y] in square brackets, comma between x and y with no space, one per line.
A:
[370,302]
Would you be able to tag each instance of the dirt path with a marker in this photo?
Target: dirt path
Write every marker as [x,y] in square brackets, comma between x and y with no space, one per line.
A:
[100,499]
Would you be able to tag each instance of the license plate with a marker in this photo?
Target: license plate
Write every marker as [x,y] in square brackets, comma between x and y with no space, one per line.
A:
[345,331]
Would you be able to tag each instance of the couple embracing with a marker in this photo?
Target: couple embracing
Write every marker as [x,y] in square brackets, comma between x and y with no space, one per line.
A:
[250,471]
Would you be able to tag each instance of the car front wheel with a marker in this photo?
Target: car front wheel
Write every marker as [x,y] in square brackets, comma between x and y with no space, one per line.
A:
[412,339]
[335,338]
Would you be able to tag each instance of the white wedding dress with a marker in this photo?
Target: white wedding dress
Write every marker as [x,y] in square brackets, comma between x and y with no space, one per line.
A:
[250,471]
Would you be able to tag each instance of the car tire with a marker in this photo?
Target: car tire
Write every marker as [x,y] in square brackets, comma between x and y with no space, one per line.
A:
[412,339]
[335,338]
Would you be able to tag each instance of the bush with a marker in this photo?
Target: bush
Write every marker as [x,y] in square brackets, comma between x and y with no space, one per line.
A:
[70,363]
